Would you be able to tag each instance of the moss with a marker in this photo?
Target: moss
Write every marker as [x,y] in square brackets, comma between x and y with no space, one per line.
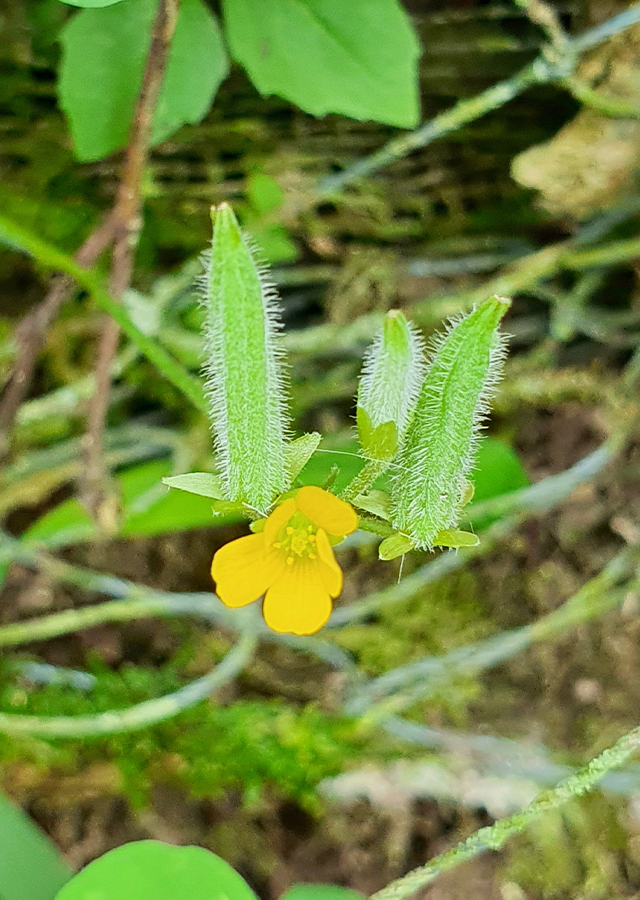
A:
[442,616]
[249,746]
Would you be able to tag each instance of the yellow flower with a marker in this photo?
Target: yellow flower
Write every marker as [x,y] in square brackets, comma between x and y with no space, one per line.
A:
[290,560]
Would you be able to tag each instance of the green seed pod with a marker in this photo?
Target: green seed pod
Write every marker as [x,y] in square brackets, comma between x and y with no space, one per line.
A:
[392,372]
[244,368]
[430,484]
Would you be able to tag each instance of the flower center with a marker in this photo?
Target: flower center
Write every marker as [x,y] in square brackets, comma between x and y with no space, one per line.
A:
[297,539]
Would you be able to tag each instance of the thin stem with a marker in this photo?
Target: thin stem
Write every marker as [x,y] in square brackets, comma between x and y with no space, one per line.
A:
[134,718]
[494,836]
[603,103]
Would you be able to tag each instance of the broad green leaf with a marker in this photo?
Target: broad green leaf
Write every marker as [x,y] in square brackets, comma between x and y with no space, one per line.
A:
[148,509]
[498,470]
[355,57]
[103,59]
[151,870]
[202,483]
[319,892]
[30,866]
[91,4]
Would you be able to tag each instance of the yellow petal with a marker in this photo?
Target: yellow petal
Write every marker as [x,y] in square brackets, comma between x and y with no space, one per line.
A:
[279,517]
[243,571]
[296,603]
[326,510]
[328,569]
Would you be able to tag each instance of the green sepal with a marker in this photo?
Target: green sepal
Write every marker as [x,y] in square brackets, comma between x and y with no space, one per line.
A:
[429,486]
[377,443]
[244,368]
[455,539]
[392,372]
[298,453]
[204,484]
[395,545]
[467,494]
[375,502]
[227,507]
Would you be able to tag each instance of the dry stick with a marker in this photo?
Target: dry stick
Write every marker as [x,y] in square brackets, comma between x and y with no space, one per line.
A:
[128,220]
[31,332]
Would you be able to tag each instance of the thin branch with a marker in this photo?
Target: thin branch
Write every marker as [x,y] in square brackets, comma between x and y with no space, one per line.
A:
[48,255]
[128,222]
[31,332]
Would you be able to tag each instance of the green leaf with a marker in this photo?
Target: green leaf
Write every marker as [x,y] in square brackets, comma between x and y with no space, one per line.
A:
[319,892]
[395,545]
[375,502]
[299,452]
[30,866]
[358,58]
[103,59]
[151,870]
[498,470]
[452,537]
[148,509]
[91,4]
[202,483]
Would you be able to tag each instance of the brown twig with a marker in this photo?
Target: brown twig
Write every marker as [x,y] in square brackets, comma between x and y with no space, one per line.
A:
[128,221]
[31,332]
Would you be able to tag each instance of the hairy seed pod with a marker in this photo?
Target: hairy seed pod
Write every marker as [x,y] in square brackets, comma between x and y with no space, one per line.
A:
[392,372]
[244,367]
[430,484]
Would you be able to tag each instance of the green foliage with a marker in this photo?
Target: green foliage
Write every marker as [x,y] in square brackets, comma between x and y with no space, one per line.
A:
[151,870]
[204,484]
[249,746]
[357,58]
[30,867]
[148,508]
[104,53]
[498,470]
[264,199]
[319,892]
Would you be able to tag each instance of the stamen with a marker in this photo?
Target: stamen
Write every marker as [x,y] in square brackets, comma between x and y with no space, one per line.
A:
[289,560]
